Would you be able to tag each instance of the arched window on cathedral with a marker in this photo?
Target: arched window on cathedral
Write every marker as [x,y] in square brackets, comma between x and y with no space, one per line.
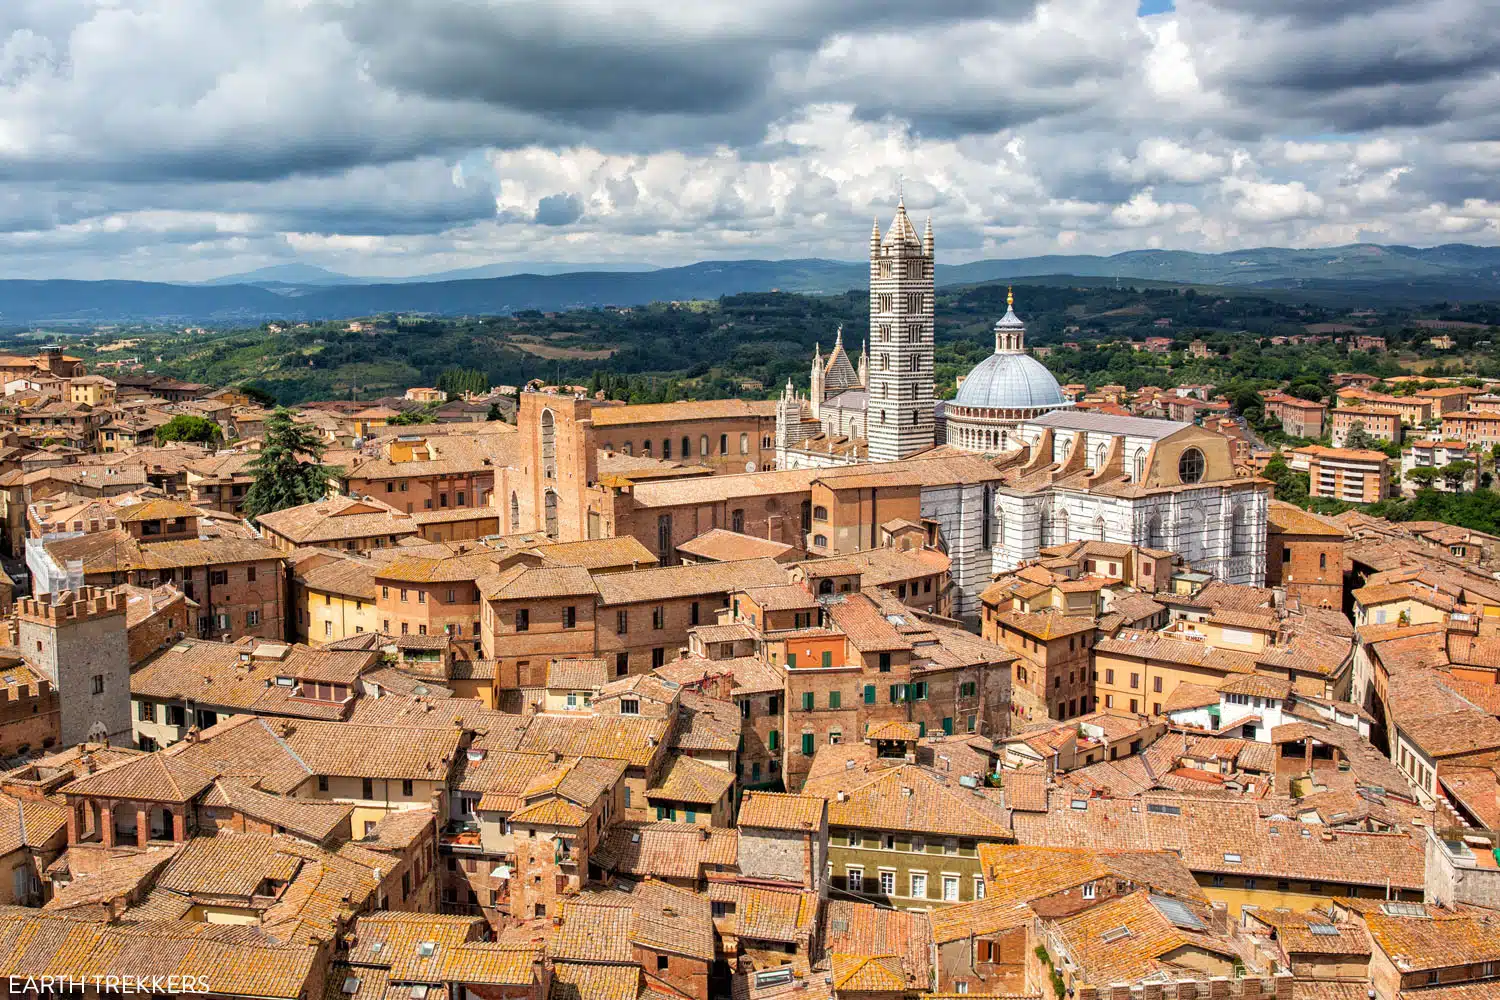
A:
[885,362]
[1099,454]
[515,513]
[550,506]
[1238,536]
[1060,528]
[1099,528]
[1140,465]
[549,445]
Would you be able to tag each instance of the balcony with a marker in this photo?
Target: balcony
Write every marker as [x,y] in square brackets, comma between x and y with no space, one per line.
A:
[460,835]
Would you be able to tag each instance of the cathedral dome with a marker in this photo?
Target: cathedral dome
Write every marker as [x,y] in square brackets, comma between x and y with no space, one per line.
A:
[1010,381]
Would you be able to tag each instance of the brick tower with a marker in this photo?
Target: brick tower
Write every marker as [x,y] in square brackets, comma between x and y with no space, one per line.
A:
[77,639]
[899,419]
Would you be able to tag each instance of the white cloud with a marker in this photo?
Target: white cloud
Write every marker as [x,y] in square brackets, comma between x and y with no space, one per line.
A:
[185,138]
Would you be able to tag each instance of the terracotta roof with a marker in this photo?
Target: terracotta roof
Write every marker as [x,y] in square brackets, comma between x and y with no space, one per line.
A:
[577,981]
[1435,941]
[686,779]
[781,811]
[857,929]
[583,675]
[235,961]
[117,552]
[909,798]
[306,817]
[675,582]
[666,850]
[1129,938]
[719,545]
[705,723]
[637,741]
[153,778]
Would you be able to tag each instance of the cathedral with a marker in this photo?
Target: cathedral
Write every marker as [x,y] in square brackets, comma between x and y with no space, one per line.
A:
[1062,475]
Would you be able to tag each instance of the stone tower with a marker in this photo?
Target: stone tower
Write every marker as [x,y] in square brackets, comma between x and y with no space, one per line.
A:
[899,420]
[559,462]
[77,639]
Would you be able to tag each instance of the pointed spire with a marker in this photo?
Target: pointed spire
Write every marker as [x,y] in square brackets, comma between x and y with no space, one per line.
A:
[927,240]
[838,337]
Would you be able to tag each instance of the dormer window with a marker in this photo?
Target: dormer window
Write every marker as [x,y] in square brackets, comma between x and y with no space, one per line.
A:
[630,706]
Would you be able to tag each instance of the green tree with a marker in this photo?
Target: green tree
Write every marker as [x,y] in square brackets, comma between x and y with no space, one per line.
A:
[186,427]
[259,396]
[494,413]
[1359,438]
[1291,486]
[288,471]
[1424,476]
[1455,474]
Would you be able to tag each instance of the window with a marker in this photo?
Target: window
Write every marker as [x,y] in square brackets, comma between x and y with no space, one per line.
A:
[570,616]
[835,699]
[809,744]
[406,787]
[323,785]
[622,664]
[146,711]
[1088,890]
[744,444]
[979,887]
[250,574]
[1190,466]
[622,622]
[367,789]
[737,520]
[217,577]
[630,706]
[693,614]
[807,701]
[252,619]
[723,444]
[918,885]
[1286,557]
[773,740]
[327,629]
[1135,681]
[820,513]
[523,620]
[950,888]
[659,616]
[856,879]
[421,597]
[887,883]
[98,684]
[1322,560]
[702,446]
[869,694]
[885,663]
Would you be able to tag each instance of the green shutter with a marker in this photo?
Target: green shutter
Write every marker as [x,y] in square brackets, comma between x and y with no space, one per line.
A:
[692,815]
[827,657]
[807,744]
[948,726]
[921,729]
[773,739]
[791,659]
[835,699]
[894,688]
[807,701]
[869,694]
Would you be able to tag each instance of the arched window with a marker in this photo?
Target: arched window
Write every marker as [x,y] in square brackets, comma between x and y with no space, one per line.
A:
[1140,465]
[702,446]
[515,513]
[666,448]
[646,448]
[806,516]
[550,506]
[687,446]
[824,586]
[549,445]
[1099,528]
[629,448]
[1155,538]
[1322,560]
[744,444]
[737,520]
[1238,536]
[1190,466]
[820,513]
[1060,528]
[1099,458]
[820,541]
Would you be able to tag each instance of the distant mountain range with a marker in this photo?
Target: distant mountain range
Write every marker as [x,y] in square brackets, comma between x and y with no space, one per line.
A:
[1362,273]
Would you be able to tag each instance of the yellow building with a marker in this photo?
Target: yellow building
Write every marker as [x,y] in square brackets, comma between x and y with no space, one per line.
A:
[334,598]
[91,390]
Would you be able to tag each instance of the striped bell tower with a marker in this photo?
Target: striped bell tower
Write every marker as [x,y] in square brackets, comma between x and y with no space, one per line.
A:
[899,419]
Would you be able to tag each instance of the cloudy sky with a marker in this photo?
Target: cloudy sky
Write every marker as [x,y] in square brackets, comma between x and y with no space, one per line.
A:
[184,139]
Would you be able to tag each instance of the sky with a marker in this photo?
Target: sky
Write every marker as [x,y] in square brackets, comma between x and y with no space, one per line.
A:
[186,139]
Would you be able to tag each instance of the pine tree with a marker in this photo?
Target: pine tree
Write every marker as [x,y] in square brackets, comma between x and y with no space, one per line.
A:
[282,478]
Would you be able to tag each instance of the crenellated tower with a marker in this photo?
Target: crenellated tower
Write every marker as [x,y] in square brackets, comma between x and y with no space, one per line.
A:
[900,418]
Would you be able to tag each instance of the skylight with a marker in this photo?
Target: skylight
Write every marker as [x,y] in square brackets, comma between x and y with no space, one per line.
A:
[1118,934]
[1232,858]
